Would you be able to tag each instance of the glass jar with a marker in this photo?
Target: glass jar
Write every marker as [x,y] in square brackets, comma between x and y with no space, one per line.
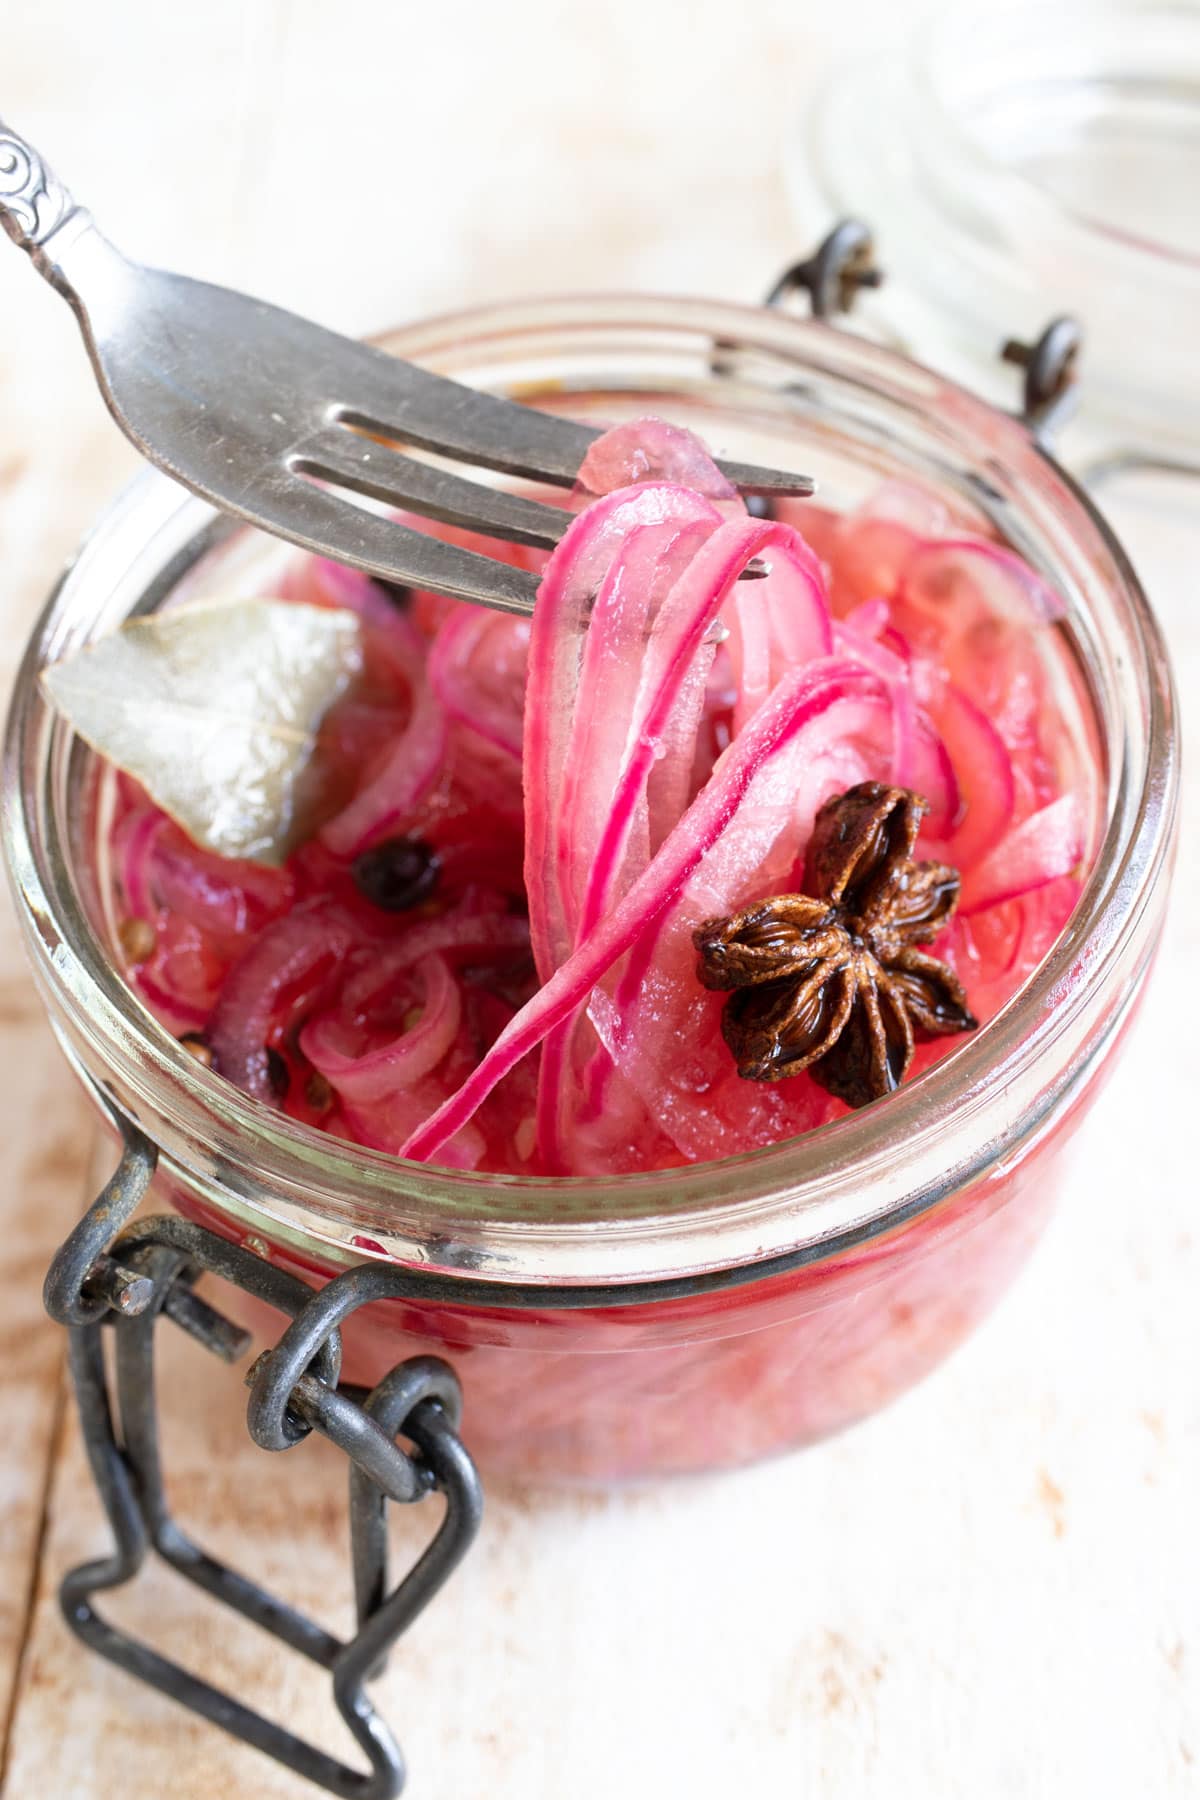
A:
[692,1318]
[1020,162]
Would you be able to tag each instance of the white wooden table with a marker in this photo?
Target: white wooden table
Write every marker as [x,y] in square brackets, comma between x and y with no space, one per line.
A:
[993,1590]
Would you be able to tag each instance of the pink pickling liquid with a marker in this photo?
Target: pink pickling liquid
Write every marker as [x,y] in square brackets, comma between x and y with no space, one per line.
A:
[711,1381]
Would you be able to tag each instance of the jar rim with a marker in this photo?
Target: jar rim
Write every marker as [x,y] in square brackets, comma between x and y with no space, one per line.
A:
[797,1200]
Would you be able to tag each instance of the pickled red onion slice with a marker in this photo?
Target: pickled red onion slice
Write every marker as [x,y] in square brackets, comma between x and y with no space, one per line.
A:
[1000,585]
[678,651]
[281,974]
[477,669]
[599,549]
[756,772]
[1042,847]
[135,838]
[408,768]
[684,621]
[985,778]
[651,450]
[366,1075]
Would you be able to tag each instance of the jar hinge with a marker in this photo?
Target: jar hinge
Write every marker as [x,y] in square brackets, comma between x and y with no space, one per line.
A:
[128,1279]
[845,262]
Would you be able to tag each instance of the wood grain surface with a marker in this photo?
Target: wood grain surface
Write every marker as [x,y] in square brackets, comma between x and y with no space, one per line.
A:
[994,1589]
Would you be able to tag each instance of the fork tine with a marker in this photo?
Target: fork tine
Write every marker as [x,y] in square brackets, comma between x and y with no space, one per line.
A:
[368,467]
[436,494]
[322,522]
[385,394]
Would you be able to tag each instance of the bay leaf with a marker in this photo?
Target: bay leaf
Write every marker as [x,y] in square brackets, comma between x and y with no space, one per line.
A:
[214,707]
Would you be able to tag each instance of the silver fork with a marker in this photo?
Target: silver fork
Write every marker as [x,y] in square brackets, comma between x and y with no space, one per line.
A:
[265,414]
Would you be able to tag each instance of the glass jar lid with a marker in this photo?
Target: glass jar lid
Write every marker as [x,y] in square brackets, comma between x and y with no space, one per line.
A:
[1025,163]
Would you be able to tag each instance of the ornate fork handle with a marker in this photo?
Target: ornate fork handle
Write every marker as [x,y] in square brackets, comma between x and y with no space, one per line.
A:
[34,204]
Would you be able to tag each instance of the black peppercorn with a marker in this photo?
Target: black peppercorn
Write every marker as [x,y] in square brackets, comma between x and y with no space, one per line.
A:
[278,1074]
[318,1093]
[397,874]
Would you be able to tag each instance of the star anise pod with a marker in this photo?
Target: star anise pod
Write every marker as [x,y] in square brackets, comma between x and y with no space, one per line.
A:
[833,980]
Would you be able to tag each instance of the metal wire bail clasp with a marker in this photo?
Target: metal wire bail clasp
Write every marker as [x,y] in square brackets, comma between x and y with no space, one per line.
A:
[149,1272]
[83,1283]
[842,264]
[1051,372]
